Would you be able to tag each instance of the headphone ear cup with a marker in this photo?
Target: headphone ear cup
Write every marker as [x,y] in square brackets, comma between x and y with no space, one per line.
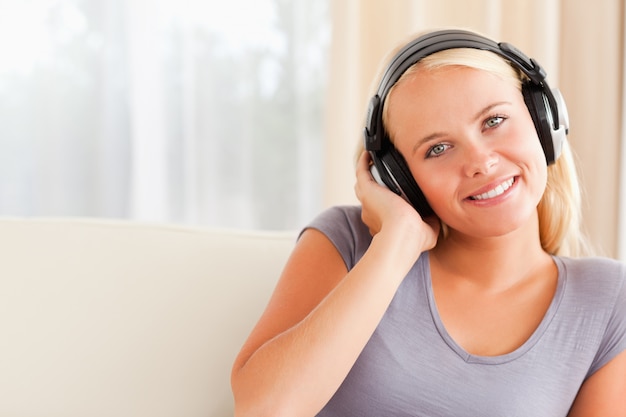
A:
[399,171]
[540,112]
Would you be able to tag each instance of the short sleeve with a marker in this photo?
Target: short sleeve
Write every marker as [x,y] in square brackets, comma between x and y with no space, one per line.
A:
[614,340]
[345,229]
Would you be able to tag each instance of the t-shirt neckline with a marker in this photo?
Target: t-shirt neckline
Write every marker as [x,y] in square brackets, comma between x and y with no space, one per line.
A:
[497,359]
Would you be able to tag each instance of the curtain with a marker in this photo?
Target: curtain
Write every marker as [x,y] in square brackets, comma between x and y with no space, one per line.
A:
[579,43]
[188,111]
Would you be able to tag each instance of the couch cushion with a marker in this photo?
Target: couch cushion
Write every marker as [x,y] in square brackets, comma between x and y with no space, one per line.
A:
[114,318]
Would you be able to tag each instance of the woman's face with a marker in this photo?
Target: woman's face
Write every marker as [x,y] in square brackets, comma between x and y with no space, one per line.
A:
[471,145]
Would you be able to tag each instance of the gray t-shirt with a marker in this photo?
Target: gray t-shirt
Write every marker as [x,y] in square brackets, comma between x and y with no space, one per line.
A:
[412,367]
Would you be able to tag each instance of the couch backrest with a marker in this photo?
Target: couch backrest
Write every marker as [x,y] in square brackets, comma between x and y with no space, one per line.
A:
[114,318]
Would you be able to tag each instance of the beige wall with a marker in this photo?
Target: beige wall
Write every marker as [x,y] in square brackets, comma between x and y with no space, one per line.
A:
[578,42]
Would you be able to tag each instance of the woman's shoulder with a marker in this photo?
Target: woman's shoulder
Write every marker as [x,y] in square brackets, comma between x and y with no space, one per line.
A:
[339,218]
[596,289]
[345,229]
[592,277]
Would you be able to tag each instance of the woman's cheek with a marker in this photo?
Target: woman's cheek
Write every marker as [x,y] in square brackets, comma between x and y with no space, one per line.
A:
[435,189]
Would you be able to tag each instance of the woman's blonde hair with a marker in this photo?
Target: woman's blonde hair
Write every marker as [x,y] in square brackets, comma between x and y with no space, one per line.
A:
[559,210]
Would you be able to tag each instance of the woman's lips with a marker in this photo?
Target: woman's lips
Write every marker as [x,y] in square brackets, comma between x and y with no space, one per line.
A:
[494,192]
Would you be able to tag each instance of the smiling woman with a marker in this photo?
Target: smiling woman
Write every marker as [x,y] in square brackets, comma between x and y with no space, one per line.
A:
[381,310]
[205,112]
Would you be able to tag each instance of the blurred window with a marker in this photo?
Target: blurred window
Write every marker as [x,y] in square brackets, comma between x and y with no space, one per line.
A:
[187,111]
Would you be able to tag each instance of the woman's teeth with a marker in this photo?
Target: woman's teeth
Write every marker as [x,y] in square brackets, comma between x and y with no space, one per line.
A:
[495,192]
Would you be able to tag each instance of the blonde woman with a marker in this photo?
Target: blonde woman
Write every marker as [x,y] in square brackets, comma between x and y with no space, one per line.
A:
[457,287]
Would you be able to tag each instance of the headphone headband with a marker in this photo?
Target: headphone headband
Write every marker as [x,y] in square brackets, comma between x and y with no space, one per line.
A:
[452,39]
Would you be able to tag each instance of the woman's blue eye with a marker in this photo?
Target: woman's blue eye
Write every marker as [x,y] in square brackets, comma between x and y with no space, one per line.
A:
[494,121]
[437,150]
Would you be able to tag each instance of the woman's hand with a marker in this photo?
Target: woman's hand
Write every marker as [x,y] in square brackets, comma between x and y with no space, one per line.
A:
[382,208]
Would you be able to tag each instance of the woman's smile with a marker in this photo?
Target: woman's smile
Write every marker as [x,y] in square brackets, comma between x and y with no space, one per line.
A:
[494,192]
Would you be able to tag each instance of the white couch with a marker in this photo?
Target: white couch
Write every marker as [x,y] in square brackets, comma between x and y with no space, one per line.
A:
[115,318]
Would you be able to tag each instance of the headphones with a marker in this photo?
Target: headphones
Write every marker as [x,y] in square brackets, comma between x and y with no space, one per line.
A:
[546,106]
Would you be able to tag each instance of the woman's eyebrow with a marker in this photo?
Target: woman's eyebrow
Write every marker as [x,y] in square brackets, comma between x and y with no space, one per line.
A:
[479,114]
[426,139]
[488,108]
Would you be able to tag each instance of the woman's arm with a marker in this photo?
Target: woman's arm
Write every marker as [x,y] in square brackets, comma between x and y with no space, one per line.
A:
[604,393]
[321,316]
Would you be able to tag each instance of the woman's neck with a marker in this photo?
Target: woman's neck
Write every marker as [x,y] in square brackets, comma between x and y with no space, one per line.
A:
[492,262]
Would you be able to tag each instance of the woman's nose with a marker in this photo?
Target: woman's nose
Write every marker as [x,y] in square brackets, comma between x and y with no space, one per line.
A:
[480,159]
